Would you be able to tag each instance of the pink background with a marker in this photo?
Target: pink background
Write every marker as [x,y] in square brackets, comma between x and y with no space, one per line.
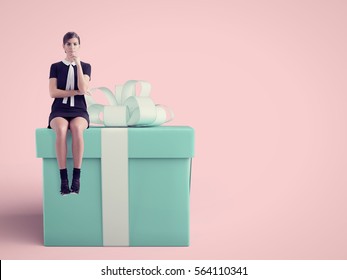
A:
[262,82]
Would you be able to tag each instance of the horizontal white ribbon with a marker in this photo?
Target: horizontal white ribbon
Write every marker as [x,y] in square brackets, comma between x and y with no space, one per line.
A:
[114,184]
[126,108]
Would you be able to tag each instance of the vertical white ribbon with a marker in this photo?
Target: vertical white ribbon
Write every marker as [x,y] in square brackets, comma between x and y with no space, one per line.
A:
[114,182]
[70,83]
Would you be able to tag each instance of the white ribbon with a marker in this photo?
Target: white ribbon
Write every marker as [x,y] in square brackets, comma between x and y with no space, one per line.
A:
[114,182]
[126,108]
[70,82]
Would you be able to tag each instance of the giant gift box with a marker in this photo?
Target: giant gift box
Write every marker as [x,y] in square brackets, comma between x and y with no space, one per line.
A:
[135,188]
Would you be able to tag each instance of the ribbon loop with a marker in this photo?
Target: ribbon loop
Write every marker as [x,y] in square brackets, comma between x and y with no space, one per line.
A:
[126,108]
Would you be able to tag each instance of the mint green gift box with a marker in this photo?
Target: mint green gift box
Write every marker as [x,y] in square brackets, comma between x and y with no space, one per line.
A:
[153,209]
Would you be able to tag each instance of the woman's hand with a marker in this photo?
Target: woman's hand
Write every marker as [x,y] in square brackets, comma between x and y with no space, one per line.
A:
[73,56]
[76,58]
[88,92]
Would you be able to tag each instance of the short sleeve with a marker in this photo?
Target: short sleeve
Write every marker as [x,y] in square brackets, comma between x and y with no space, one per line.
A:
[53,72]
[87,69]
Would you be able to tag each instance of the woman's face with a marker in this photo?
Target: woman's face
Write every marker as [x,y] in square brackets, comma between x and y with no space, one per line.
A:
[71,47]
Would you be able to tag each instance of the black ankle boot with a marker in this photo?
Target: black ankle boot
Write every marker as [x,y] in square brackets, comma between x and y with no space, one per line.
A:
[64,187]
[75,186]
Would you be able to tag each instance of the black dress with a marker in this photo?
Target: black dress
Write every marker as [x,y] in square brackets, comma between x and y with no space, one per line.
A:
[59,71]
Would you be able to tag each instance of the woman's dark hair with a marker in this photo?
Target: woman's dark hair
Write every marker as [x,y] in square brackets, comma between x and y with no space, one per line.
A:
[69,36]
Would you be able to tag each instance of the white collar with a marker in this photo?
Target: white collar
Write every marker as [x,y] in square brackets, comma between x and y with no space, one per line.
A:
[68,62]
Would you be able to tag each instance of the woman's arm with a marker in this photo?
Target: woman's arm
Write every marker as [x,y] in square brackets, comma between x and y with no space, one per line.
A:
[82,80]
[59,93]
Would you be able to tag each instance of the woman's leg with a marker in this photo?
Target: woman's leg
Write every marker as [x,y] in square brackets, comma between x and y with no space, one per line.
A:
[60,126]
[77,126]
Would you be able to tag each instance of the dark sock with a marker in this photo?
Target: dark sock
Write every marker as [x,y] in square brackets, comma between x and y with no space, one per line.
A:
[63,174]
[76,173]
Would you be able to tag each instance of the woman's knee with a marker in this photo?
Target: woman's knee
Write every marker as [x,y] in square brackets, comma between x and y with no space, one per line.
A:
[60,126]
[78,125]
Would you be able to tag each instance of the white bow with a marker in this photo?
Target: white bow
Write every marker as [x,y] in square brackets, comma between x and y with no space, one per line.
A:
[128,109]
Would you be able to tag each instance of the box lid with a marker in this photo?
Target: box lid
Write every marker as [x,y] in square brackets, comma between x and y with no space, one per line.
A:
[143,142]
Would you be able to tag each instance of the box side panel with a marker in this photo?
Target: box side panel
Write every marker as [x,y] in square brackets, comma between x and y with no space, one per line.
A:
[72,220]
[159,202]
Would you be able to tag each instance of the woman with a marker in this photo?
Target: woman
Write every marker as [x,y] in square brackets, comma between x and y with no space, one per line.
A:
[68,82]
